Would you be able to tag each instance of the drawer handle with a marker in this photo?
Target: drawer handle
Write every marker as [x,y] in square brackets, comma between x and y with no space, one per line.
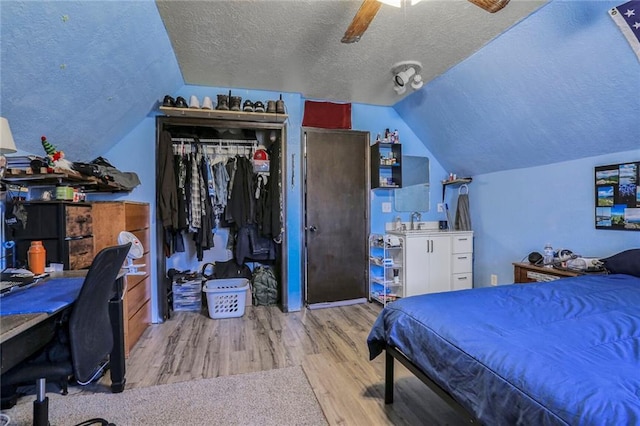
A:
[462,239]
[462,278]
[461,258]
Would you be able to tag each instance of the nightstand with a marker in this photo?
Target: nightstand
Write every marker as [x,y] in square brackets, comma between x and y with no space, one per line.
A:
[528,273]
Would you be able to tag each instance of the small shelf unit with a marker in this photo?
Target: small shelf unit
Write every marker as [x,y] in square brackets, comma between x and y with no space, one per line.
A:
[386,275]
[386,165]
[454,182]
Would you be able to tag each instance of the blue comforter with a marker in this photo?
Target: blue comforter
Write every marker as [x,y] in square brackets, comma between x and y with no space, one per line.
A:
[562,352]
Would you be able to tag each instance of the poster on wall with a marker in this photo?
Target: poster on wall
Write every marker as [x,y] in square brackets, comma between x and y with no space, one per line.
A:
[618,196]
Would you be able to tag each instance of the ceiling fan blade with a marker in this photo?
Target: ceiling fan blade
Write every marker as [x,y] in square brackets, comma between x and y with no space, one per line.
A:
[361,21]
[490,5]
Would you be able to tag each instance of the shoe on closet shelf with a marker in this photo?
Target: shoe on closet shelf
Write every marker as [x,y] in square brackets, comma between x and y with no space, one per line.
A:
[258,106]
[168,101]
[247,106]
[234,103]
[223,102]
[271,107]
[207,103]
[181,102]
[194,102]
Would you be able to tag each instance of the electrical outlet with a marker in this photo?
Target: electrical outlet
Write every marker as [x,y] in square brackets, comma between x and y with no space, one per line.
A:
[386,207]
[494,279]
[440,207]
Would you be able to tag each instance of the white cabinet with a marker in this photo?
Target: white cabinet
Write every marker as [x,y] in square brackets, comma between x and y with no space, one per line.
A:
[462,261]
[386,264]
[438,261]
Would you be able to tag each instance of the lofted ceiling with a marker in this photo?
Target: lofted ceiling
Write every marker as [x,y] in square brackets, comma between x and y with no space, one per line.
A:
[528,85]
[294,46]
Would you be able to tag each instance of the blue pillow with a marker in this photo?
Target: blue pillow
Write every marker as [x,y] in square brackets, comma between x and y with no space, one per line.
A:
[626,262]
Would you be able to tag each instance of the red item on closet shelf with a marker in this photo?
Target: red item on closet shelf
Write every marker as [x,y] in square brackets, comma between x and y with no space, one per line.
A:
[327,115]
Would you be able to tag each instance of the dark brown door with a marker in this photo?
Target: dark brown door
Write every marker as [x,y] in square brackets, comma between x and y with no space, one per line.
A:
[336,215]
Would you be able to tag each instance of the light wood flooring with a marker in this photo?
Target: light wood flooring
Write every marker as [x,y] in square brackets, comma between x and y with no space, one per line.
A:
[329,344]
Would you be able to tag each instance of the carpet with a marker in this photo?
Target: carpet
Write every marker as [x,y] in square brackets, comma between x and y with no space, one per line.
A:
[275,397]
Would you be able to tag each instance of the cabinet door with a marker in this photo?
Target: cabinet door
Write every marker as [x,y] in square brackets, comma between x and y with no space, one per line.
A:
[439,263]
[416,261]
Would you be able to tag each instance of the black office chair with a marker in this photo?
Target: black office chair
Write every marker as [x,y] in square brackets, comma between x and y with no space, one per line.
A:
[83,343]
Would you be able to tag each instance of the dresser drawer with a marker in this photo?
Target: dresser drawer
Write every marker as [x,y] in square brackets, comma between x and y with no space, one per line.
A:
[137,296]
[462,262]
[462,281]
[136,216]
[462,244]
[80,253]
[78,222]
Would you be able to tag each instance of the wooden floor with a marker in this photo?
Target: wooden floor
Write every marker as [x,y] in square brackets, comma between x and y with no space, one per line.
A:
[329,344]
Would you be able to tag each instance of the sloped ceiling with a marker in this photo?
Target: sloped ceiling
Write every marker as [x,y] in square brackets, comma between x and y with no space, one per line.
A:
[85,73]
[560,86]
[82,73]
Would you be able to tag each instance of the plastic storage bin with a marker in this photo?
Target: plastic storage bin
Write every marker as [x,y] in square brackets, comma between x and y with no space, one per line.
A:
[226,298]
[187,296]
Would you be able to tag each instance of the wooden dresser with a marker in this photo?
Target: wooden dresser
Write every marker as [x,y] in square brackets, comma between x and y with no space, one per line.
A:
[109,219]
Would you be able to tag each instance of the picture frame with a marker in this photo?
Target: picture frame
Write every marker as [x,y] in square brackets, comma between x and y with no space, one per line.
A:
[617,196]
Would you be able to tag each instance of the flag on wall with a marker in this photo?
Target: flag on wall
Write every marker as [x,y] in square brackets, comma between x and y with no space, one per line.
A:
[627,17]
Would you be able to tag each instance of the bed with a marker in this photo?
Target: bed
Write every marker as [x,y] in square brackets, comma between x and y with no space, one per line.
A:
[562,352]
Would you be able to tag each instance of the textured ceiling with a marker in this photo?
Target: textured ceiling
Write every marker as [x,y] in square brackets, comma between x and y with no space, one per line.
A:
[294,46]
[560,85]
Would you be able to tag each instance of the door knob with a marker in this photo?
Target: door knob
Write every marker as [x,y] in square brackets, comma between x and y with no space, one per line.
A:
[313,228]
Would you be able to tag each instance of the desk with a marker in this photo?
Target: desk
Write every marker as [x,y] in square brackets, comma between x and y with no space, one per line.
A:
[22,335]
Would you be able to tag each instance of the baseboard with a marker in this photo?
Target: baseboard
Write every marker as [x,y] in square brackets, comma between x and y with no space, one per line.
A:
[336,304]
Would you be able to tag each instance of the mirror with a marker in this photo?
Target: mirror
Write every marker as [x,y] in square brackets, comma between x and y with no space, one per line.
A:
[414,194]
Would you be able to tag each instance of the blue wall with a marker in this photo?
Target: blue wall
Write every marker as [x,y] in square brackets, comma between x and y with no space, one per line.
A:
[518,211]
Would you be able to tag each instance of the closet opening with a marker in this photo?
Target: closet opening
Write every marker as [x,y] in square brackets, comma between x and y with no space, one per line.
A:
[220,199]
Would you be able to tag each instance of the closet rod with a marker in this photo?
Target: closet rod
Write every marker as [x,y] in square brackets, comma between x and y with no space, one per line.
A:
[216,141]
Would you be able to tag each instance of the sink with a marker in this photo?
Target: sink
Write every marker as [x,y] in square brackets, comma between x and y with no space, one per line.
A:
[413,231]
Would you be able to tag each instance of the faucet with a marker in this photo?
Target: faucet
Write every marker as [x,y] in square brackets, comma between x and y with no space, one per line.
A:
[398,223]
[416,215]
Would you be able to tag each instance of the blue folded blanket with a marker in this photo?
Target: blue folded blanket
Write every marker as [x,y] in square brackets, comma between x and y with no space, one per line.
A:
[48,296]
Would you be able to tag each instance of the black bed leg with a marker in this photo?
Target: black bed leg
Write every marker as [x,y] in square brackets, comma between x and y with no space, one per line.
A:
[388,378]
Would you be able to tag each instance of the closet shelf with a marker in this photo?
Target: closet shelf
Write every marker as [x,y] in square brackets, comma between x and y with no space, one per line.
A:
[224,115]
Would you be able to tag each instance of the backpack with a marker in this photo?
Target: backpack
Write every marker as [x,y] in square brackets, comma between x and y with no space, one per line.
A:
[264,286]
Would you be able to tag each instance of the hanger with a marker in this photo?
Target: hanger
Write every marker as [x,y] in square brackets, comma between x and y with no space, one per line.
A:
[463,186]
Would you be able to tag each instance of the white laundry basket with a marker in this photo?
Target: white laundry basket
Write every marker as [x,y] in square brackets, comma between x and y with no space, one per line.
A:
[226,297]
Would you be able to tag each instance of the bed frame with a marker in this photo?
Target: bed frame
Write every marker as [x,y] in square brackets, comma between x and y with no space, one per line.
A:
[392,353]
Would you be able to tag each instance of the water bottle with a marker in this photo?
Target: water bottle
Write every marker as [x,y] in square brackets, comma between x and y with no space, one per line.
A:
[548,256]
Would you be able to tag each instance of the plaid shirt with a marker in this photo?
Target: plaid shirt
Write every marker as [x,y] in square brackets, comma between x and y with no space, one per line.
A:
[196,199]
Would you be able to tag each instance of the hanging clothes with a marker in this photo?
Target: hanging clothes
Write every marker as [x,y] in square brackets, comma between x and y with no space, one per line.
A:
[271,219]
[241,204]
[203,237]
[463,216]
[168,199]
